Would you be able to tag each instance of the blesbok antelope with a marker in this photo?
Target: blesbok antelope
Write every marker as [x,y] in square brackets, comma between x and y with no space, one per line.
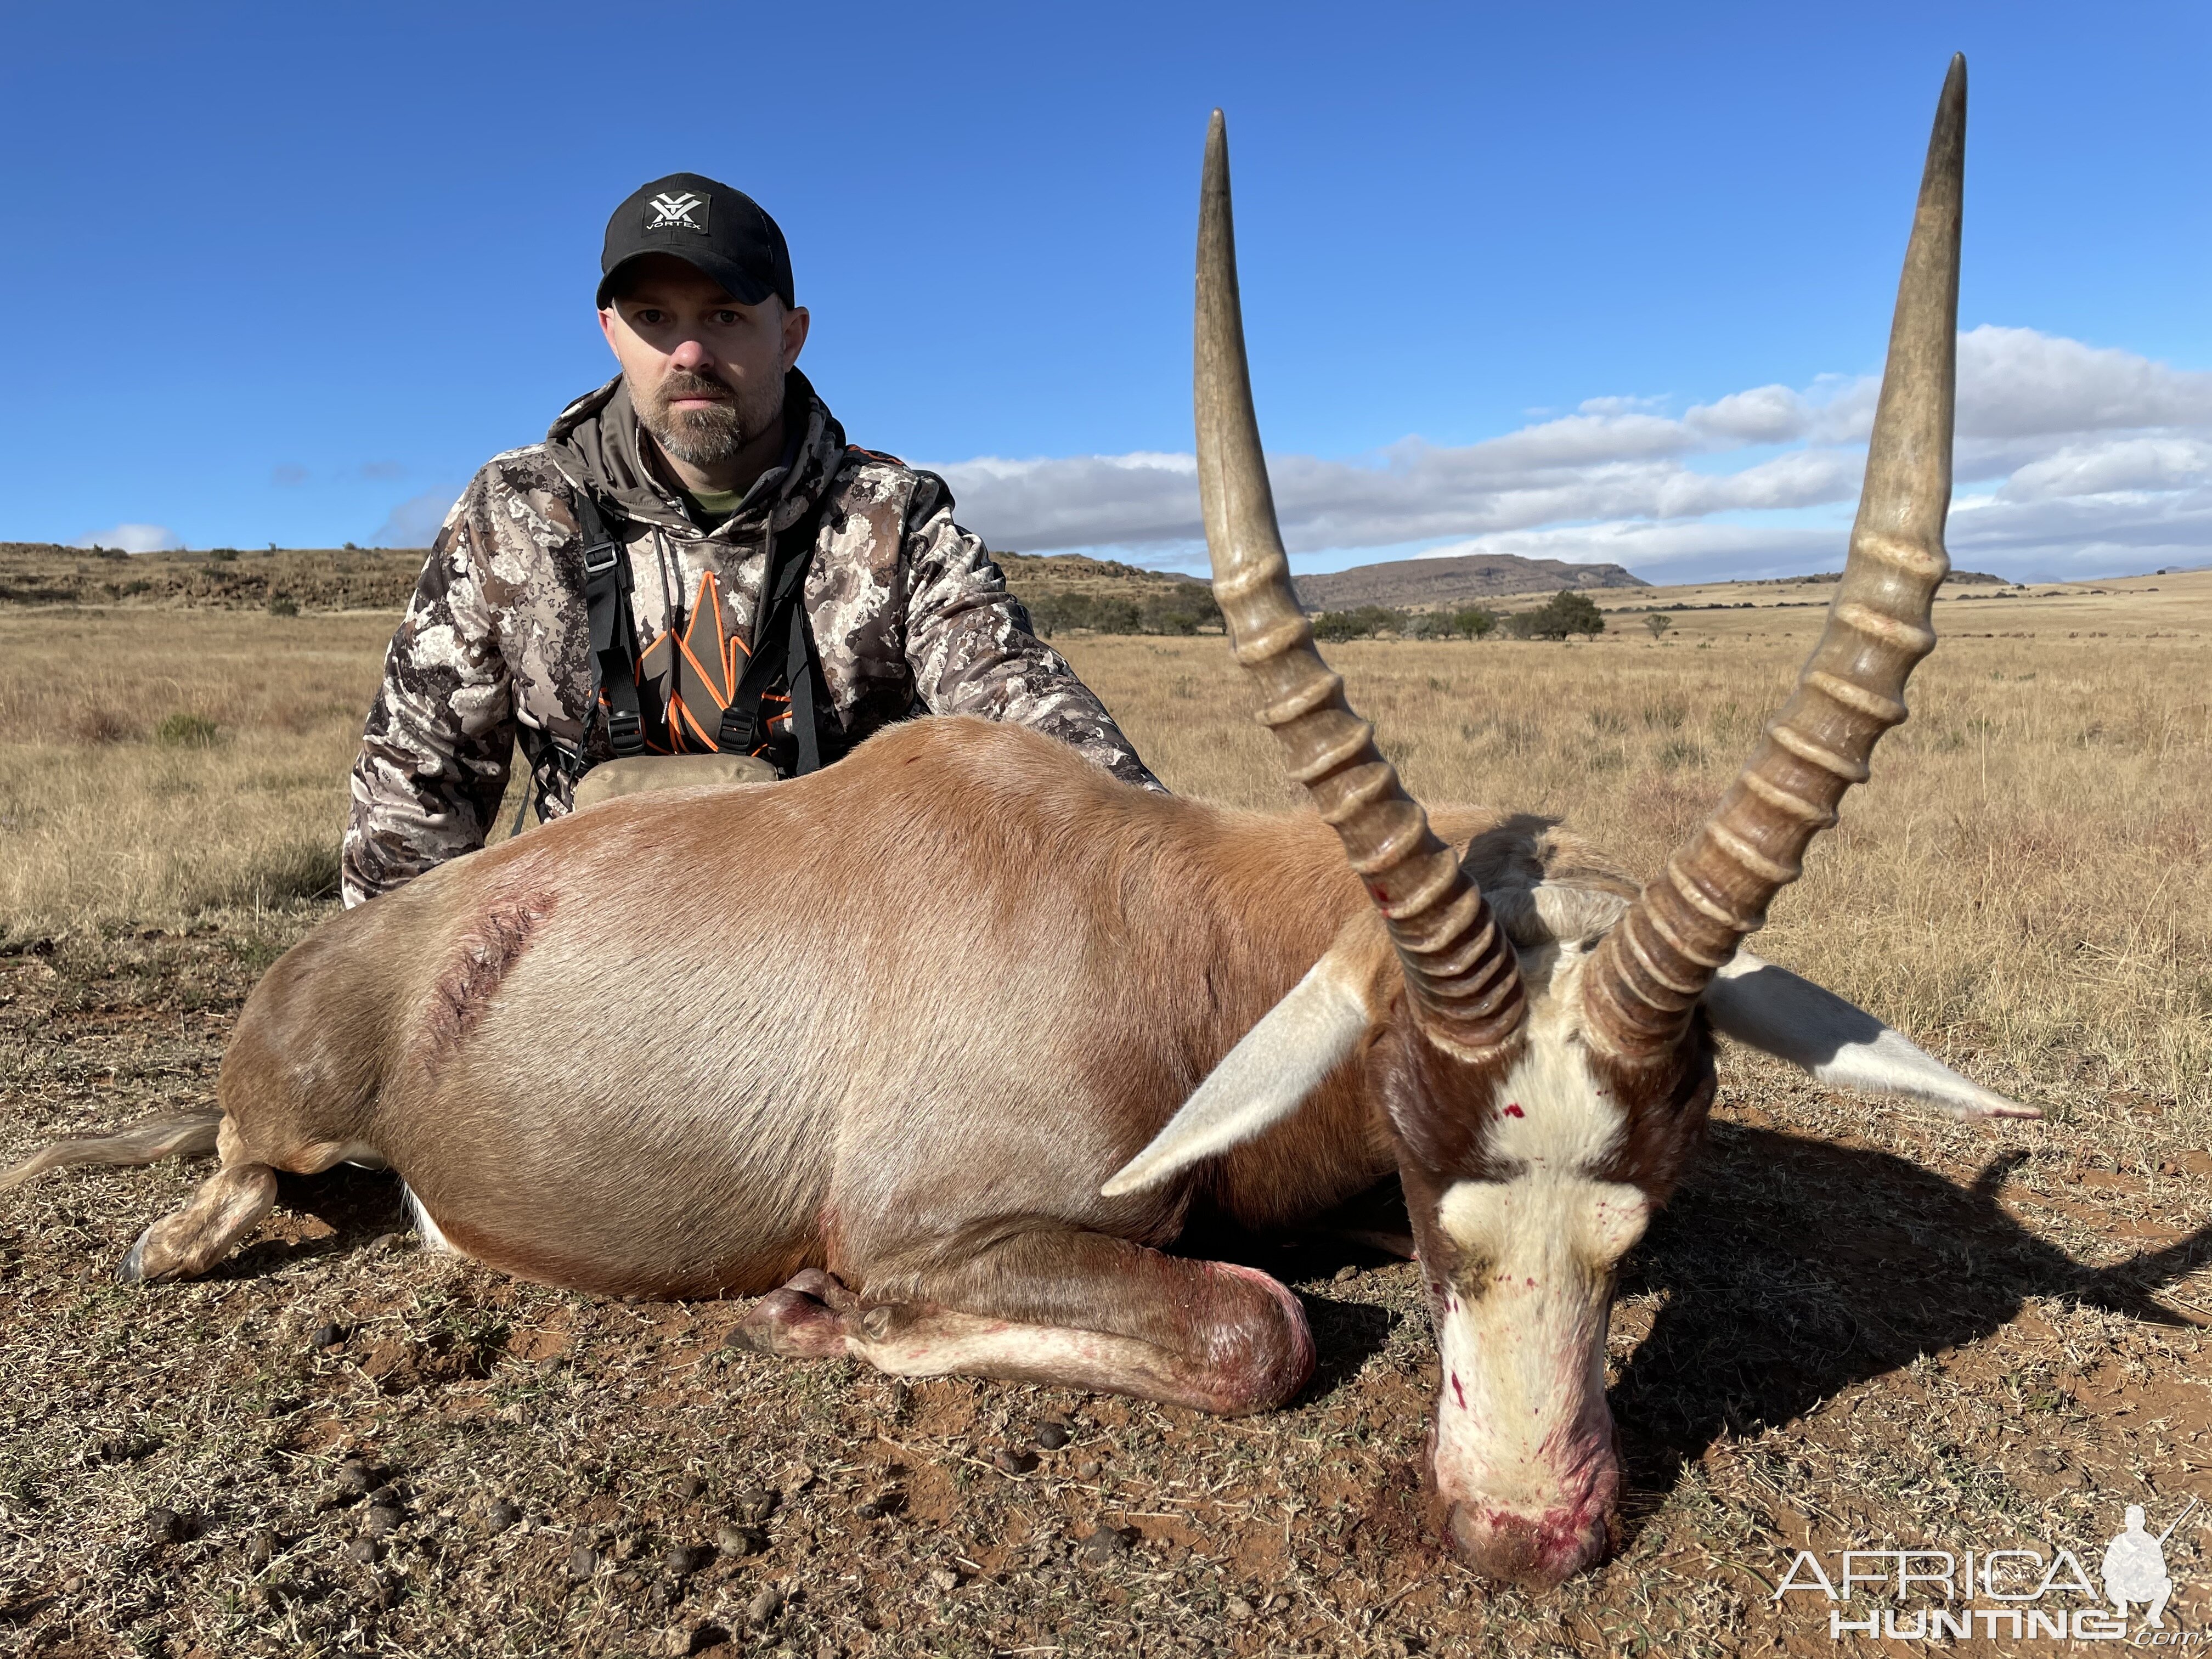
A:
[936,1050]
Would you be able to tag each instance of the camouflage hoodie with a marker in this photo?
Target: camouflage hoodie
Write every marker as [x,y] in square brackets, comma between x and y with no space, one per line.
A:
[908,613]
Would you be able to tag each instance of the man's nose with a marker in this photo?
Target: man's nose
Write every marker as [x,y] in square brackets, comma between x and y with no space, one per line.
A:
[692,353]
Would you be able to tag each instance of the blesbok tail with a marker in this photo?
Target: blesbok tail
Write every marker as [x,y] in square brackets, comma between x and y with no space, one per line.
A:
[149,1142]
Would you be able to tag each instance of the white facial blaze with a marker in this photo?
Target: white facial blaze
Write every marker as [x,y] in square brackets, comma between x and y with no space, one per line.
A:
[1523,1417]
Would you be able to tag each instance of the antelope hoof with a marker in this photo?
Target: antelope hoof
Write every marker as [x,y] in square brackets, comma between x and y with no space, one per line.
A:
[798,1321]
[155,1259]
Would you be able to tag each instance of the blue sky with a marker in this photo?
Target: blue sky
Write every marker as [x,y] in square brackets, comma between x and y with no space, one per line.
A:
[1591,281]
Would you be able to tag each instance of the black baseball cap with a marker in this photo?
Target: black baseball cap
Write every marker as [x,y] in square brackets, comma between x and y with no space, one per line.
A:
[719,231]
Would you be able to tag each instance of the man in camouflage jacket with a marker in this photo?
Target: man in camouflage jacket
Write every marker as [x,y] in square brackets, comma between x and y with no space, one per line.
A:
[906,609]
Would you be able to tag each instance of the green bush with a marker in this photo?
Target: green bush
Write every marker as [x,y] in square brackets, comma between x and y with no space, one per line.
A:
[1183,610]
[283,604]
[1475,621]
[1565,612]
[1362,623]
[184,731]
[1110,615]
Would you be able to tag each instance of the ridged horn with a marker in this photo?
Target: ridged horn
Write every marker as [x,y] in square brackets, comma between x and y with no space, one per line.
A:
[1462,982]
[1654,965]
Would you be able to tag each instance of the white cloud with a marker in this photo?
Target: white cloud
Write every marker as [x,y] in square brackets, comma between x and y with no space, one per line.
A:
[1764,415]
[2096,455]
[417,520]
[133,538]
[1132,500]
[2112,465]
[2015,382]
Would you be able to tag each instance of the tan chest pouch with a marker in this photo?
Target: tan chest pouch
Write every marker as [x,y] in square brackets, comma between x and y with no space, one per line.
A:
[641,773]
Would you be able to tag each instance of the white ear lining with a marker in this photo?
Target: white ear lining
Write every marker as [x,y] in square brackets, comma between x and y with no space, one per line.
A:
[1778,1014]
[1263,1079]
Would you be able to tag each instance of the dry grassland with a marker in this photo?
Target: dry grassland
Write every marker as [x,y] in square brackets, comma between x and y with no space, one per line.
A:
[1854,1327]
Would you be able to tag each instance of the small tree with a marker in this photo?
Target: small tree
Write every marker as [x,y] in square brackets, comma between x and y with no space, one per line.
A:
[1052,613]
[1578,612]
[1426,625]
[1359,624]
[1183,610]
[1657,624]
[1565,612]
[1330,626]
[1475,622]
[1115,615]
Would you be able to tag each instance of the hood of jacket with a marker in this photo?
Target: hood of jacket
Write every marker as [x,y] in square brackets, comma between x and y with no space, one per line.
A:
[599,445]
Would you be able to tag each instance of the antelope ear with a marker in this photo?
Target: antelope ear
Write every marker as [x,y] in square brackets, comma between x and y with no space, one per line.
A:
[1268,1074]
[1774,1011]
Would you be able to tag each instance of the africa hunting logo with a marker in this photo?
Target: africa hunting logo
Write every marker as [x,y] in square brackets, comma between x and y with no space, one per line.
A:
[2018,1594]
[685,212]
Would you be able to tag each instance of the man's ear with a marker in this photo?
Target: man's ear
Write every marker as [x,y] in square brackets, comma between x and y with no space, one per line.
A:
[796,322]
[607,321]
[1775,1012]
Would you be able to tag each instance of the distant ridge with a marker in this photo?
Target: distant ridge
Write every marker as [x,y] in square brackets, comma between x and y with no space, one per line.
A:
[1956,579]
[382,579]
[1405,583]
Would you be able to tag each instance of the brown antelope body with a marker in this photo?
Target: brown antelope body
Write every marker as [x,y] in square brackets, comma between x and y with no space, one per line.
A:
[937,1049]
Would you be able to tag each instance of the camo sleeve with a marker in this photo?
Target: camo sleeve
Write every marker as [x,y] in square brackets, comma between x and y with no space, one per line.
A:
[969,643]
[434,754]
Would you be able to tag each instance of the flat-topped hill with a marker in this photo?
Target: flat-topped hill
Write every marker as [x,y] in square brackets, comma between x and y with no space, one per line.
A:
[1418,584]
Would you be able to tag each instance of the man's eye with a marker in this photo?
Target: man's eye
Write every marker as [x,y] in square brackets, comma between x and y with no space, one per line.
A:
[648,318]
[727,319]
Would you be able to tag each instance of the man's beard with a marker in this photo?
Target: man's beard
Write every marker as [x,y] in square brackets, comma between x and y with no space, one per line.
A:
[710,436]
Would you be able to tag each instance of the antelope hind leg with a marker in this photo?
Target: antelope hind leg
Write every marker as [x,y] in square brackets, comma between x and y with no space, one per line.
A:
[227,1206]
[1076,1309]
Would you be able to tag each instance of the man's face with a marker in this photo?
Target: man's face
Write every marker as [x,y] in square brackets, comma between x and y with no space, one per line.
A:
[705,371]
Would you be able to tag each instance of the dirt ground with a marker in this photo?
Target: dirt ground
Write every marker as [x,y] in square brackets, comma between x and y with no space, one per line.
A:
[1855,1328]
[1851,1330]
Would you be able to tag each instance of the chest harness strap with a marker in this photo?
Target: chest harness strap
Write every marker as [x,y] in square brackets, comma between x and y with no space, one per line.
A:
[782,666]
[607,586]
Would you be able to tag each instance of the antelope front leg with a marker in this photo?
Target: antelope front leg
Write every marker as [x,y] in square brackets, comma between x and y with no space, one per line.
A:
[1078,1310]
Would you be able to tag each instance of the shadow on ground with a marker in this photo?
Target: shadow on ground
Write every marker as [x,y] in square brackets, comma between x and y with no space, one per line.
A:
[1790,1270]
[1793,1269]
[357,1206]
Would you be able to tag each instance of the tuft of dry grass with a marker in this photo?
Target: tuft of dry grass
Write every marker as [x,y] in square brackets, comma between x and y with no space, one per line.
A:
[2024,881]
[161,763]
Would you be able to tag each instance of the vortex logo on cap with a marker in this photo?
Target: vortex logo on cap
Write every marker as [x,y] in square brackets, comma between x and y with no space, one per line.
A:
[666,212]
